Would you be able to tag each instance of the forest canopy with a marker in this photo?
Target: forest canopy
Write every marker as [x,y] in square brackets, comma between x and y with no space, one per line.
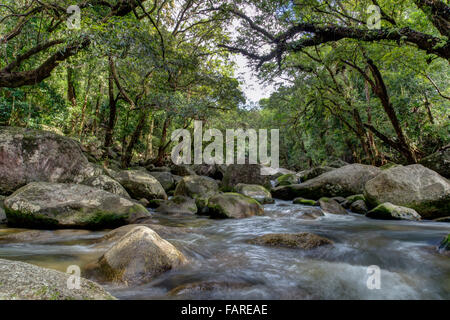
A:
[134,71]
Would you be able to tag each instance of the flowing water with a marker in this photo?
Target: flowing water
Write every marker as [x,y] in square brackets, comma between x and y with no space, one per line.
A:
[224,266]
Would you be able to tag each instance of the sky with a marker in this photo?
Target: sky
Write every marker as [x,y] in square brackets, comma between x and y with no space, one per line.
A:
[251,86]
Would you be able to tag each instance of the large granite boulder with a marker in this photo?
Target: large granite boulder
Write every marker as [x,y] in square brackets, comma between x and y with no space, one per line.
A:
[412,186]
[233,205]
[23,281]
[439,161]
[343,182]
[28,155]
[254,191]
[246,173]
[199,188]
[139,184]
[178,205]
[45,205]
[137,257]
[388,211]
[166,180]
[106,183]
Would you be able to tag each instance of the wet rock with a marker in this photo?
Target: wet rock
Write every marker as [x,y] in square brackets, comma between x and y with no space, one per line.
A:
[207,286]
[45,205]
[23,281]
[197,187]
[389,211]
[359,206]
[439,161]
[259,193]
[137,257]
[233,205]
[287,179]
[343,182]
[165,179]
[108,184]
[331,206]
[36,236]
[247,174]
[28,155]
[139,184]
[311,213]
[304,241]
[178,205]
[412,186]
[306,202]
[163,231]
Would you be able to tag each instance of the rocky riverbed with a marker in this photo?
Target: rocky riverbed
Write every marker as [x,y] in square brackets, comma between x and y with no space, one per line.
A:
[213,232]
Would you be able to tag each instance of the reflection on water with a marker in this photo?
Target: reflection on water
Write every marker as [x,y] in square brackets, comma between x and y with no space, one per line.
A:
[223,266]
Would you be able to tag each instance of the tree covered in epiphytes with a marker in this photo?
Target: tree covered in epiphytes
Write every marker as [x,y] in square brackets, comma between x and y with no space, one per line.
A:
[347,86]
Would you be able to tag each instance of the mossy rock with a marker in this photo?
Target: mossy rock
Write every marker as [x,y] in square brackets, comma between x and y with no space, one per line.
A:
[445,244]
[389,211]
[232,205]
[355,197]
[306,241]
[43,205]
[306,202]
[287,179]
[331,206]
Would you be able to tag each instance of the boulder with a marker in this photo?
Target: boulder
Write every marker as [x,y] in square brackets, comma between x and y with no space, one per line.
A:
[165,179]
[197,187]
[23,281]
[139,184]
[313,172]
[254,191]
[45,205]
[439,161]
[343,182]
[214,171]
[28,155]
[306,202]
[311,213]
[182,170]
[137,257]
[116,234]
[178,205]
[412,186]
[389,211]
[331,206]
[233,205]
[246,173]
[304,241]
[108,184]
[287,179]
[359,206]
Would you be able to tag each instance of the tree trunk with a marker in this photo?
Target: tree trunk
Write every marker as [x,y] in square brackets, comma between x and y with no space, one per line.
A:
[112,107]
[128,154]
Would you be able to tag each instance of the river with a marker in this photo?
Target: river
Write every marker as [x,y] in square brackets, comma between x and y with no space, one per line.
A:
[224,266]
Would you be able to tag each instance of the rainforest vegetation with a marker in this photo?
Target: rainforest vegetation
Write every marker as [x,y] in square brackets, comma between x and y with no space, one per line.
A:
[134,71]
